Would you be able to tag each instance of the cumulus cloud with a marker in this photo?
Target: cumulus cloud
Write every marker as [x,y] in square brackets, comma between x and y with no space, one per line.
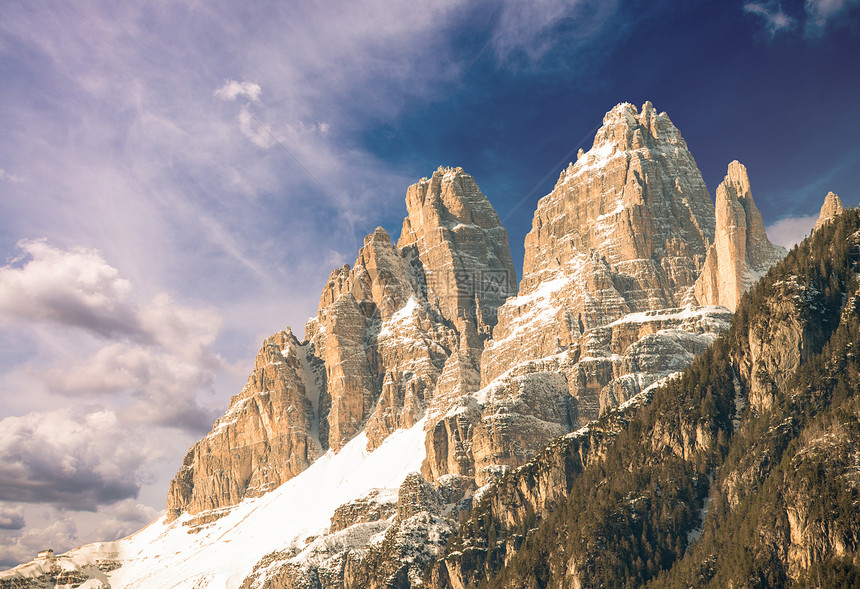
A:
[60,535]
[74,460]
[232,89]
[76,288]
[11,518]
[162,385]
[790,231]
[773,17]
[158,352]
[124,518]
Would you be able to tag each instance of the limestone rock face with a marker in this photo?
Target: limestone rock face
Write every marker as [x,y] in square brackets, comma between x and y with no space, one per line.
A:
[503,425]
[741,252]
[829,210]
[462,246]
[403,328]
[267,436]
[614,251]
[372,507]
[625,230]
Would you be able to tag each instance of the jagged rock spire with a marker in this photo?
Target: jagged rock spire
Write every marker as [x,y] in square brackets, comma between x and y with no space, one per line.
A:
[625,229]
[829,210]
[462,246]
[400,329]
[741,252]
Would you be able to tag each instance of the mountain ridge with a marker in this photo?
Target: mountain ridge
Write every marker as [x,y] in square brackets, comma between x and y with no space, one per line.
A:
[428,345]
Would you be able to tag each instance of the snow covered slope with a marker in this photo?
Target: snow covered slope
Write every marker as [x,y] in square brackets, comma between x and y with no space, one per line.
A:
[222,553]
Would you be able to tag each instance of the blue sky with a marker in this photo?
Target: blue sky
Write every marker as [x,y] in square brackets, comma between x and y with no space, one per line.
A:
[178,178]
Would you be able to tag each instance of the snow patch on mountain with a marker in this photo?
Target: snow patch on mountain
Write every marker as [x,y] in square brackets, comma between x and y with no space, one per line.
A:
[222,553]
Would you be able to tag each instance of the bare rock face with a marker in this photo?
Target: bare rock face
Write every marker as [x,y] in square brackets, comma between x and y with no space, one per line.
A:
[614,251]
[788,334]
[399,330]
[403,328]
[506,423]
[374,506]
[267,436]
[462,246]
[625,230]
[741,252]
[829,210]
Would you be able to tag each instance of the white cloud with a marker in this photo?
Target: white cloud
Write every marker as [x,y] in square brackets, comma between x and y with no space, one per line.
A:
[60,534]
[525,26]
[254,131]
[76,288]
[774,18]
[820,13]
[76,460]
[4,175]
[158,353]
[790,231]
[233,89]
[124,518]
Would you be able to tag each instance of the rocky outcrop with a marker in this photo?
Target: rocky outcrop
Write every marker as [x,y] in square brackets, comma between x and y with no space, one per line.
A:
[625,230]
[829,210]
[399,330]
[787,333]
[741,252]
[462,245]
[363,550]
[267,436]
[403,328]
[372,507]
[503,425]
[624,233]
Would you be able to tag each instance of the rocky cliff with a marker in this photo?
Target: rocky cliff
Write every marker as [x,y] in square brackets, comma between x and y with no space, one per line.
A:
[614,252]
[829,210]
[741,252]
[742,472]
[625,230]
[268,435]
[399,330]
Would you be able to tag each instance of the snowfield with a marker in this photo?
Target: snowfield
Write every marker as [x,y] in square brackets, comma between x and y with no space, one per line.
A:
[224,552]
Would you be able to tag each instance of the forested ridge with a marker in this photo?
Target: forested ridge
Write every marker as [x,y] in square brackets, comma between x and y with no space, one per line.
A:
[742,472]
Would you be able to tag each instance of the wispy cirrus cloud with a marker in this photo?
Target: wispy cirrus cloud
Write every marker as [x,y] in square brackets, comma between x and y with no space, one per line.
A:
[773,17]
[526,27]
[817,16]
[8,177]
[822,13]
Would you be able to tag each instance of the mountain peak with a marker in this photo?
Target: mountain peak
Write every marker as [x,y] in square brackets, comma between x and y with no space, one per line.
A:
[741,251]
[462,244]
[829,210]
